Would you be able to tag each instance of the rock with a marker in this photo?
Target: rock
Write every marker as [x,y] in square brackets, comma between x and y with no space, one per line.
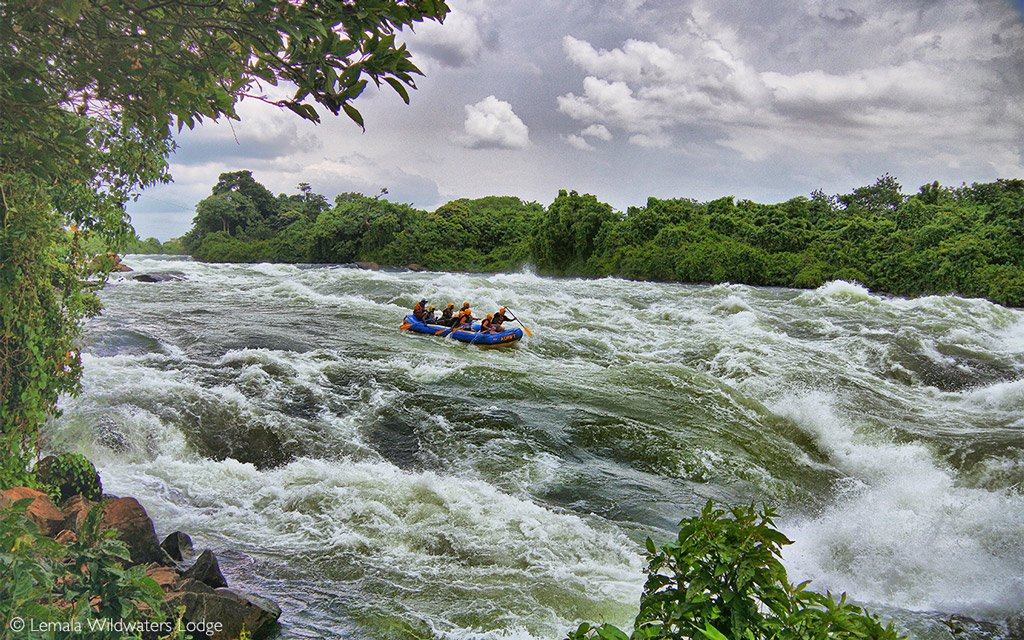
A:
[262,612]
[178,546]
[415,267]
[121,267]
[372,266]
[67,536]
[160,276]
[248,443]
[128,518]
[75,511]
[166,577]
[109,434]
[224,612]
[71,473]
[194,586]
[41,511]
[206,570]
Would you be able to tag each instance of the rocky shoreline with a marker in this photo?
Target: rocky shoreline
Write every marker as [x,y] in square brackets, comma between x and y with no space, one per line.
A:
[197,586]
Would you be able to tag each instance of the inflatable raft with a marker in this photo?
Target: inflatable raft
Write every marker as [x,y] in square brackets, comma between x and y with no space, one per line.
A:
[471,336]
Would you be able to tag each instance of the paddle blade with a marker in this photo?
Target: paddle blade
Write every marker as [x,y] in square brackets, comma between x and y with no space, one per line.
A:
[404,326]
[528,332]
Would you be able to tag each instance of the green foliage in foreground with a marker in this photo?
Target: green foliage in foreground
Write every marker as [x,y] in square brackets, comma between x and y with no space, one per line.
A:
[65,587]
[967,240]
[722,579]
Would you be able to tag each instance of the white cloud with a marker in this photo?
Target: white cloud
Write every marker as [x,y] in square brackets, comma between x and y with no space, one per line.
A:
[651,141]
[598,131]
[579,142]
[491,123]
[635,61]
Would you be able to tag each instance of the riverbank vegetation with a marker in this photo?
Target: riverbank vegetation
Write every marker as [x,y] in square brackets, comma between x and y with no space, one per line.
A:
[91,96]
[966,240]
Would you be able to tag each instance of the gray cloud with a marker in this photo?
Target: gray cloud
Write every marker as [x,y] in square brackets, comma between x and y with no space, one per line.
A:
[457,43]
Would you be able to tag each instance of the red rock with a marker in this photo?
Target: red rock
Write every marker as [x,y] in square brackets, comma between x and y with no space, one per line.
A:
[75,511]
[128,518]
[166,577]
[42,511]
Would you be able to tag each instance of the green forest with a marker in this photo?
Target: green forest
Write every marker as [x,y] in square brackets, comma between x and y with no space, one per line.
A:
[967,240]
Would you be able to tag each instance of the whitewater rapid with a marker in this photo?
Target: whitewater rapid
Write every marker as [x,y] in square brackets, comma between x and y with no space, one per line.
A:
[380,483]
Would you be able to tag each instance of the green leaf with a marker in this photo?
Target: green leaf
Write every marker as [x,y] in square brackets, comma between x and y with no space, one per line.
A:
[610,632]
[353,113]
[711,633]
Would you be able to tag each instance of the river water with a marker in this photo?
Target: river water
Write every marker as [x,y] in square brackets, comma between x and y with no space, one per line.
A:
[381,484]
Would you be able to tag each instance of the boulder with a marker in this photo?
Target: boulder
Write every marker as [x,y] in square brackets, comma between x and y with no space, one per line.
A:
[130,520]
[206,570]
[178,546]
[121,268]
[415,267]
[372,266]
[75,511]
[224,612]
[167,577]
[41,511]
[160,276]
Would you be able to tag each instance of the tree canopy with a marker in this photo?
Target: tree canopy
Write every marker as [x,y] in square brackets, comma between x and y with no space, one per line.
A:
[965,240]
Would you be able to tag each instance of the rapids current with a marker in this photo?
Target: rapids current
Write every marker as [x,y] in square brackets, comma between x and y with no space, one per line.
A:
[381,484]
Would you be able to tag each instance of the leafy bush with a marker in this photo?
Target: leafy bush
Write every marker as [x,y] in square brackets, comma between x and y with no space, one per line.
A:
[723,580]
[66,475]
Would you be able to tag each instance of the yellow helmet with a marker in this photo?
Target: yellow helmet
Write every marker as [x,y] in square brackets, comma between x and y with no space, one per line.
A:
[489,316]
[451,304]
[465,305]
[432,308]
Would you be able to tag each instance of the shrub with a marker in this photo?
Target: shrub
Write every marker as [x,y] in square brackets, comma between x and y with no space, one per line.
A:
[68,474]
[723,580]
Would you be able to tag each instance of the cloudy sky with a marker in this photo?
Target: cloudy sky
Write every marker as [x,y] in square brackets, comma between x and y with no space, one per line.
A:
[627,99]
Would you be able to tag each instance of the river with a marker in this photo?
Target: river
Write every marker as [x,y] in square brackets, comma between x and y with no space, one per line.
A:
[382,484]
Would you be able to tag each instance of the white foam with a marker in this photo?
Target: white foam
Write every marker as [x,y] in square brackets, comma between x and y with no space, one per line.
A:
[417,529]
[904,533]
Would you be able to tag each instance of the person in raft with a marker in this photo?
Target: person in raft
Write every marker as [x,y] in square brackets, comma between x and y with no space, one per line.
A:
[420,310]
[447,315]
[465,319]
[501,316]
[487,324]
[430,317]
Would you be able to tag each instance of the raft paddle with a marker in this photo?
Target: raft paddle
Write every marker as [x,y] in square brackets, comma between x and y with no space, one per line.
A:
[528,332]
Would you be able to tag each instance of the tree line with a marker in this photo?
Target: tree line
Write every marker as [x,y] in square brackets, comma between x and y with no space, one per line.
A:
[967,240]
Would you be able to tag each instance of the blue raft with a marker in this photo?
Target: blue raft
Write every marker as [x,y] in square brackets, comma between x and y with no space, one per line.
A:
[474,336]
